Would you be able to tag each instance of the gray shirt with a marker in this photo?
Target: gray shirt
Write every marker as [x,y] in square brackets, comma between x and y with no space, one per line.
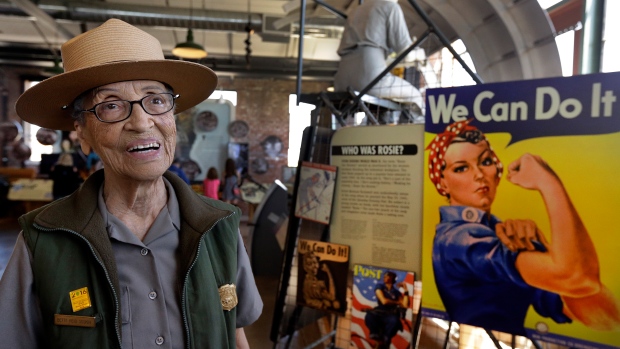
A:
[148,277]
[373,31]
[375,23]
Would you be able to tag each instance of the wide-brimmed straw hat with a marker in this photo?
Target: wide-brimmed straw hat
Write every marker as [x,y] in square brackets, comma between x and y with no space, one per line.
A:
[113,52]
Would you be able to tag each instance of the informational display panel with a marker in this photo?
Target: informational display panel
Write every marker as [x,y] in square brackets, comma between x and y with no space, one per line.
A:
[377,205]
[520,201]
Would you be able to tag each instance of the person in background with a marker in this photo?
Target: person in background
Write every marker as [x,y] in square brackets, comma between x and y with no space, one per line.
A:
[93,163]
[134,258]
[211,184]
[65,176]
[230,192]
[176,168]
[374,30]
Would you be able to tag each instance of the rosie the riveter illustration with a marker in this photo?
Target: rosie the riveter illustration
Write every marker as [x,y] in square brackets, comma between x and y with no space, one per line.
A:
[488,272]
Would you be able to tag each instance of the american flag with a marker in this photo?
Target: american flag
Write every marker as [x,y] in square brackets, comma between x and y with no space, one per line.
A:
[364,298]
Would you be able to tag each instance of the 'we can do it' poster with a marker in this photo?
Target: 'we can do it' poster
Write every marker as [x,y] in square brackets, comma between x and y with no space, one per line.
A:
[520,205]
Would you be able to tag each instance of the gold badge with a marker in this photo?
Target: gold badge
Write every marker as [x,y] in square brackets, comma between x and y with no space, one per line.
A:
[80,299]
[228,295]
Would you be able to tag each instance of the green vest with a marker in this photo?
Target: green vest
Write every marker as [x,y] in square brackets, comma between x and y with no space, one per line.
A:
[71,250]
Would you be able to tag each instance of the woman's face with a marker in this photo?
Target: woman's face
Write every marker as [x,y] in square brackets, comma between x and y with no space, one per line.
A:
[139,148]
[311,265]
[470,176]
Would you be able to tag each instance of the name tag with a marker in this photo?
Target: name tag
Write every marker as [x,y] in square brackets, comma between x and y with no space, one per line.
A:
[74,320]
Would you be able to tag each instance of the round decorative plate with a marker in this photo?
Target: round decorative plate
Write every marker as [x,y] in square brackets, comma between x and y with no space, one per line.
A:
[47,136]
[238,129]
[206,121]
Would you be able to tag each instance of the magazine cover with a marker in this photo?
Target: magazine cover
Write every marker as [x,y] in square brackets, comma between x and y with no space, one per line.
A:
[323,268]
[381,313]
[520,201]
[316,192]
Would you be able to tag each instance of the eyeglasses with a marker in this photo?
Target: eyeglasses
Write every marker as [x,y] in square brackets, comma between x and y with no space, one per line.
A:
[119,110]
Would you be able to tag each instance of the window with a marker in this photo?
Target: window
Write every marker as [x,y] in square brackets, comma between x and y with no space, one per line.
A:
[299,119]
[30,135]
[225,95]
[444,70]
[611,41]
[566,49]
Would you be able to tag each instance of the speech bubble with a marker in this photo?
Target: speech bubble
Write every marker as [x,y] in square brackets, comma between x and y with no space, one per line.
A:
[577,105]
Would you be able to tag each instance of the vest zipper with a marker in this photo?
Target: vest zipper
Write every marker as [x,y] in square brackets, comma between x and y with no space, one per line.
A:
[118,336]
[183,298]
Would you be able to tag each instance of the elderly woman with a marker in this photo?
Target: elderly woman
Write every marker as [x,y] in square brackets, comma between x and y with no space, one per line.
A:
[133,258]
[488,273]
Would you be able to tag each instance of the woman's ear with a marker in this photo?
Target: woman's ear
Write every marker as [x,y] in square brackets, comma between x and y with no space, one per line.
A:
[86,148]
[444,186]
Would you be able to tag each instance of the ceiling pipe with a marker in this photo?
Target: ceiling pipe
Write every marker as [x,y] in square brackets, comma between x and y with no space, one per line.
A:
[146,15]
[42,17]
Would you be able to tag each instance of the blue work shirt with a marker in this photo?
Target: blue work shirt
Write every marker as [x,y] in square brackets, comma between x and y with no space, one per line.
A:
[391,294]
[477,278]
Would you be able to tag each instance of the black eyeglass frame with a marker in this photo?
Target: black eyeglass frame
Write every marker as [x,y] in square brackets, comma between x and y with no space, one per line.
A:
[131,103]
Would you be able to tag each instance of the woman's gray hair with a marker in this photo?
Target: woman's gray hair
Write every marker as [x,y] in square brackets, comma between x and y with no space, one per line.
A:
[77,113]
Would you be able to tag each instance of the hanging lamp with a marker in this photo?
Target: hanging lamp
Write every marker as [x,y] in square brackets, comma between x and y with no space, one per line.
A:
[189,49]
[56,69]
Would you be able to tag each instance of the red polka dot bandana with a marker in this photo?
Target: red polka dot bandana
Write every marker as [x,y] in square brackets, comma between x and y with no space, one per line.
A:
[437,150]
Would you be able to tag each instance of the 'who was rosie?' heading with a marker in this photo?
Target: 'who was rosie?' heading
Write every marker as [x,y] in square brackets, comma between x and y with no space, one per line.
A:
[579,105]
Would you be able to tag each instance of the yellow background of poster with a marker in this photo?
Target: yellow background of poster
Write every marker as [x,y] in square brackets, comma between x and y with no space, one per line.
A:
[588,167]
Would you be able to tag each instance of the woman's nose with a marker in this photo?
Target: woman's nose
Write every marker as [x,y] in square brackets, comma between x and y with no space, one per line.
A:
[140,119]
[477,172]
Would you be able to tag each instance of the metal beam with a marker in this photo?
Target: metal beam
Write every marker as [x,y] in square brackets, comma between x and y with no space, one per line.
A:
[592,37]
[300,52]
[43,18]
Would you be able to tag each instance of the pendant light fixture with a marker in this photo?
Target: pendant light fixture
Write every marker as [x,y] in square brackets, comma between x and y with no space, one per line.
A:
[189,49]
[55,69]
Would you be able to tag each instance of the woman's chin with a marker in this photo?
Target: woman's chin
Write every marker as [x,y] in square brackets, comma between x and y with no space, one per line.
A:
[485,206]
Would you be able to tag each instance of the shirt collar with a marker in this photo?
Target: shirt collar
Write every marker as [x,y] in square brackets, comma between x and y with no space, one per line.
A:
[167,220]
[466,214]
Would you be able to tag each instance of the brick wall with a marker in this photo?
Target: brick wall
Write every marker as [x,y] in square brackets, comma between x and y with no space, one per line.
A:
[263,105]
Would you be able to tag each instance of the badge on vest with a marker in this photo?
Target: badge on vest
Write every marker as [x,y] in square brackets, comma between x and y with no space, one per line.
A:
[228,296]
[80,299]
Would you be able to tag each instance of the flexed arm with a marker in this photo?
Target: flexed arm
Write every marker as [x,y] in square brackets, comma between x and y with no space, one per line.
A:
[570,267]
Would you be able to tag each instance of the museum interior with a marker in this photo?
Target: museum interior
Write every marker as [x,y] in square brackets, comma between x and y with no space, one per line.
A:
[354,137]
